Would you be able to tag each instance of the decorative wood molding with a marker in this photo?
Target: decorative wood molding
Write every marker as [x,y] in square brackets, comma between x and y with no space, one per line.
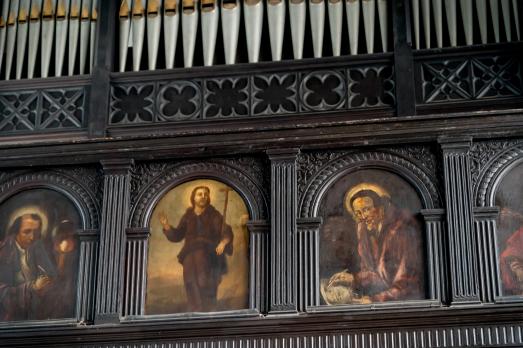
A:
[283,270]
[463,253]
[116,204]
[153,180]
[319,176]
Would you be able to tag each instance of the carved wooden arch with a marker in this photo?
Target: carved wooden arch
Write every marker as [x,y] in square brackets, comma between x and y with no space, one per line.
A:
[493,174]
[243,183]
[338,167]
[81,198]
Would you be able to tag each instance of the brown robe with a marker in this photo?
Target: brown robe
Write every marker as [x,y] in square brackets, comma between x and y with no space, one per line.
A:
[202,267]
[391,265]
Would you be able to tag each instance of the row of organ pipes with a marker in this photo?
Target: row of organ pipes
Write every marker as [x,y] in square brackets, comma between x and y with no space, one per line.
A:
[140,16]
[29,25]
[509,10]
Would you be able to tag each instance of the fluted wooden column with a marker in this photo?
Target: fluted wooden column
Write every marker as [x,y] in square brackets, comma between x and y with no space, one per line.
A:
[436,254]
[259,231]
[485,224]
[135,271]
[461,236]
[115,210]
[87,274]
[308,262]
[283,292]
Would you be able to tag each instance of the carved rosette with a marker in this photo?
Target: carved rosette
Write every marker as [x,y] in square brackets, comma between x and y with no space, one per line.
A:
[371,86]
[132,103]
[228,97]
[274,94]
[179,101]
[323,90]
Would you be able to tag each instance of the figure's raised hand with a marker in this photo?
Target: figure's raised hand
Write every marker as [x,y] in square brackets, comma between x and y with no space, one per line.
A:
[164,221]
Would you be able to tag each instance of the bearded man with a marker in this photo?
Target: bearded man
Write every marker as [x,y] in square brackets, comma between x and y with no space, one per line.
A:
[389,248]
[207,240]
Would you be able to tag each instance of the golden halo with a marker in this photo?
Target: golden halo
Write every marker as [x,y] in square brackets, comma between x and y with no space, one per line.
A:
[364,186]
[29,209]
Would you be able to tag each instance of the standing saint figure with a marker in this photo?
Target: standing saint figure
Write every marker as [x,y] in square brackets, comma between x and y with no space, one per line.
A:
[207,240]
[389,249]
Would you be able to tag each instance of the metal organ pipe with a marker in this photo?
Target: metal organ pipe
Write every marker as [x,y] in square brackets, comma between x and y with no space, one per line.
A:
[483,13]
[317,11]
[189,29]
[12,25]
[297,14]
[276,16]
[210,16]
[35,23]
[171,19]
[138,31]
[62,24]
[74,30]
[253,10]
[353,21]
[335,24]
[154,25]
[369,16]
[231,12]
[21,41]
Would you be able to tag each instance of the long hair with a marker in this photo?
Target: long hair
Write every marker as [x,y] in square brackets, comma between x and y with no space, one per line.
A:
[15,227]
[193,193]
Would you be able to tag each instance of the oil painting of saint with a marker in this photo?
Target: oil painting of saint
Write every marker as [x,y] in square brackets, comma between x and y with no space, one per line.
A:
[198,257]
[373,241]
[38,256]
[510,232]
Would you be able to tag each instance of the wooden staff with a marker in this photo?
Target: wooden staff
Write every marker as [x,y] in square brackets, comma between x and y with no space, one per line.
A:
[225,205]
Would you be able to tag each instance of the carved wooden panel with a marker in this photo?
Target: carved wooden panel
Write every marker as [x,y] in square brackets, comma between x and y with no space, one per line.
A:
[457,336]
[468,78]
[253,94]
[39,110]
